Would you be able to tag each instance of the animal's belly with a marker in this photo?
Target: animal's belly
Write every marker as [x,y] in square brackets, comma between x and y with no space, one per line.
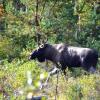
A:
[74,62]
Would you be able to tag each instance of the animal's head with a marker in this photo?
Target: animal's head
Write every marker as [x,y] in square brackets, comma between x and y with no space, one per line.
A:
[39,53]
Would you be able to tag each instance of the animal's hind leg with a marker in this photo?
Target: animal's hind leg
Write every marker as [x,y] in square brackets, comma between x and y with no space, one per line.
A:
[92,69]
[89,63]
[89,68]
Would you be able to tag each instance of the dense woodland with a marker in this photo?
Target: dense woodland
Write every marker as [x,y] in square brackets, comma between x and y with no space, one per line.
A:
[25,24]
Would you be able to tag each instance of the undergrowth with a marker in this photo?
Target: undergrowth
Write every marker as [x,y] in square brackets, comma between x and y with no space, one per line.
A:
[14,83]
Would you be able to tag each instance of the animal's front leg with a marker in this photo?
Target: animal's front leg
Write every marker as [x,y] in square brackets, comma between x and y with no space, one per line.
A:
[64,74]
[53,72]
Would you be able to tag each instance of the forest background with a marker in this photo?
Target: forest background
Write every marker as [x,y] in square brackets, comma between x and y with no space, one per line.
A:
[25,23]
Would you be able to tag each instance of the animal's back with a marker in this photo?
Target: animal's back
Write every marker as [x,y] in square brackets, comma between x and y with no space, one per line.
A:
[60,47]
[78,56]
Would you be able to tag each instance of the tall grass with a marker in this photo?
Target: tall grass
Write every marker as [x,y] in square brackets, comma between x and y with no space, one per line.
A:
[14,83]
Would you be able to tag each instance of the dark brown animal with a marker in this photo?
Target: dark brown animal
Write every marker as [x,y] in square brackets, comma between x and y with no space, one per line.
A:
[64,56]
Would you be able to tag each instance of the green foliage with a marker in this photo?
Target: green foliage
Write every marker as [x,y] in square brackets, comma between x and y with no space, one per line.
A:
[82,88]
[5,47]
[74,22]
[13,76]
[59,21]
[13,79]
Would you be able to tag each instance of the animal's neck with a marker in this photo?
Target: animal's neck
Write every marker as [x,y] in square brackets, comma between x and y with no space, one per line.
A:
[52,54]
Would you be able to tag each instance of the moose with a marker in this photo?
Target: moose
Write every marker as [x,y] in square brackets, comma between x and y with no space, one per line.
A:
[65,56]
